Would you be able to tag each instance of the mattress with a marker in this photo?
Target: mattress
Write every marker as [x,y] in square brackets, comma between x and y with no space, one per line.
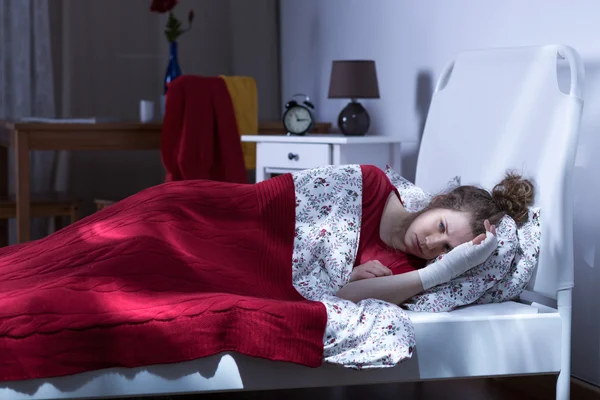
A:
[481,340]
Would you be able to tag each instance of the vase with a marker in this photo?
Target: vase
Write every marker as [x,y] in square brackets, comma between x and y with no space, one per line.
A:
[173,69]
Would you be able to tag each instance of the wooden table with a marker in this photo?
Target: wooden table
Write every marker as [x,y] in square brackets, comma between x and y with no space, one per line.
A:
[24,137]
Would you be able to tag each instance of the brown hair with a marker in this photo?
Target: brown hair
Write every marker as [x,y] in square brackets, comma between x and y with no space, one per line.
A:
[512,196]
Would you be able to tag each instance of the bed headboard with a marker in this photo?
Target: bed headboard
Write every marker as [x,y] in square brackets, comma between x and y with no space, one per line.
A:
[500,109]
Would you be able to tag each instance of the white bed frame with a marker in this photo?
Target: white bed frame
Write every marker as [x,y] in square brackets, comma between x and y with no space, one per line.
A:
[492,109]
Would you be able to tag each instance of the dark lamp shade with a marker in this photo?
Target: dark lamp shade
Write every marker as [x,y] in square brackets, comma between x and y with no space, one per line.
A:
[353,79]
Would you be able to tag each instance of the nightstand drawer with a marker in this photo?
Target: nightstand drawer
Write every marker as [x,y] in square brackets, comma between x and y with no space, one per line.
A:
[293,155]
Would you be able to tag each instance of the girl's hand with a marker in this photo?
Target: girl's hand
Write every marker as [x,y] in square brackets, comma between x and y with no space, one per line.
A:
[460,259]
[488,228]
[370,269]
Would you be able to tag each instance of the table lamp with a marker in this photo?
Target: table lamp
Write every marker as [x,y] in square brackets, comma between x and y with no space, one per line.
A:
[353,79]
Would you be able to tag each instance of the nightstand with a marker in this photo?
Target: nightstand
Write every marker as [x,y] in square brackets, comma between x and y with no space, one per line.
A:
[279,154]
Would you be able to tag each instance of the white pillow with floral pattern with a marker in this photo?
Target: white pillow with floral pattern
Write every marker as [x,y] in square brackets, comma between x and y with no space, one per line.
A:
[413,197]
[521,271]
[503,276]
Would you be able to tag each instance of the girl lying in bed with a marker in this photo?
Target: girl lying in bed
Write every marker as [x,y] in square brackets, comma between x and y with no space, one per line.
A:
[460,223]
[192,268]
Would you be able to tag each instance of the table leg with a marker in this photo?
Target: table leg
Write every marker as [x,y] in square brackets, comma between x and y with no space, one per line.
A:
[23,186]
[4,166]
[260,168]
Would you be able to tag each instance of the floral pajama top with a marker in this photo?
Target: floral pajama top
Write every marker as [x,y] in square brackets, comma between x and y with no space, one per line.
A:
[338,211]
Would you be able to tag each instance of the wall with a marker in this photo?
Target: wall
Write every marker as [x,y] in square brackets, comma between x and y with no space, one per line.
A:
[111,54]
[411,41]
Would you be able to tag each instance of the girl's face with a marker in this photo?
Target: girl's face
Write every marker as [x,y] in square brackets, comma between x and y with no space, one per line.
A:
[437,231]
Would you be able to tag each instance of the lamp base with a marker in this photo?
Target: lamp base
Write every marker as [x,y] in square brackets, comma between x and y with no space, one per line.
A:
[354,119]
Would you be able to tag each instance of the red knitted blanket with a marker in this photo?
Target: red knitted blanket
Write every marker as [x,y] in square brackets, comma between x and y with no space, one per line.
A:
[176,272]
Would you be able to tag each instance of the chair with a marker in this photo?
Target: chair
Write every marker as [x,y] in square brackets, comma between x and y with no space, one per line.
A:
[103,203]
[55,205]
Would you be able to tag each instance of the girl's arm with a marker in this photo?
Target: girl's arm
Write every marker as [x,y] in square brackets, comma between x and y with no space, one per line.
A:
[398,288]
[394,289]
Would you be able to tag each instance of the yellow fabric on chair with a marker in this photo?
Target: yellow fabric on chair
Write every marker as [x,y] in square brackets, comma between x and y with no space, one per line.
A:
[244,96]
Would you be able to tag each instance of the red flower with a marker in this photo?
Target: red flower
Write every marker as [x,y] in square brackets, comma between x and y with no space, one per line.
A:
[173,29]
[162,6]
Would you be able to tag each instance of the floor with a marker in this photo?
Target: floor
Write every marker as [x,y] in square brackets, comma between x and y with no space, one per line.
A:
[485,389]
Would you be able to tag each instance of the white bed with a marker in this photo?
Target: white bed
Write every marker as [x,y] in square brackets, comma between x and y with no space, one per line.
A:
[508,102]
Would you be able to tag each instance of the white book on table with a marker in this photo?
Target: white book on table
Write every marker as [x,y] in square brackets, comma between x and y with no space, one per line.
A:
[90,120]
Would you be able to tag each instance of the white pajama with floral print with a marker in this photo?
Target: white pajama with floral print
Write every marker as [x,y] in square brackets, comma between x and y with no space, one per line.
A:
[372,333]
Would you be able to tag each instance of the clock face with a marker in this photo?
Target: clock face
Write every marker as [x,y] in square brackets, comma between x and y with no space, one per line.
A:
[297,120]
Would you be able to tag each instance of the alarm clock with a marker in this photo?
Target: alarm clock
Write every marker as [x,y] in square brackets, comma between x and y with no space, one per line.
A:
[298,118]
